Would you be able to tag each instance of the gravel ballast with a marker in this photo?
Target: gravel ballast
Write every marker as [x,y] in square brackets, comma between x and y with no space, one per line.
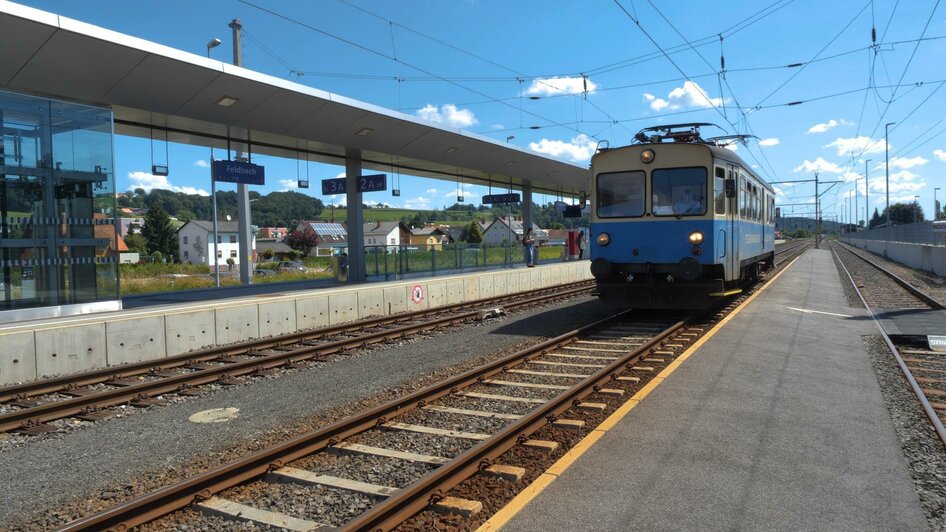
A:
[125,457]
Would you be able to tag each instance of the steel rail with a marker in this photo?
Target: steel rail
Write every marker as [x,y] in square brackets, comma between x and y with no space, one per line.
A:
[97,376]
[926,298]
[70,407]
[927,407]
[410,500]
[181,494]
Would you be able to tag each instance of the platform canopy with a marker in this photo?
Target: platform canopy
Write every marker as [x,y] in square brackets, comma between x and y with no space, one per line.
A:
[154,89]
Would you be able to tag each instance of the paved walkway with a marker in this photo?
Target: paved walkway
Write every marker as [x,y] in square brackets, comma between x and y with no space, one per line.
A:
[777,422]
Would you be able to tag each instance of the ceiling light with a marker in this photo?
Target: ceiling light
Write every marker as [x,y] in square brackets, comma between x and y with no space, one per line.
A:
[227,101]
[364,131]
[450,150]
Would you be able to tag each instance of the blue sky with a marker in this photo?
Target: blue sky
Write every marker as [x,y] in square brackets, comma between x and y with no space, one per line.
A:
[584,71]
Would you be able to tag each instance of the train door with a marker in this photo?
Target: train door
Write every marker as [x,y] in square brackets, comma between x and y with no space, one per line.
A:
[732,221]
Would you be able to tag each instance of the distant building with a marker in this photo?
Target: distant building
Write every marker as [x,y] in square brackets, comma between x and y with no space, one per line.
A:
[277,233]
[331,236]
[130,225]
[195,242]
[116,244]
[557,237]
[280,250]
[429,237]
[505,230]
[389,234]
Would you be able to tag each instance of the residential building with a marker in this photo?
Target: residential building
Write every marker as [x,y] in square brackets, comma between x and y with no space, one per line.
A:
[195,242]
[280,250]
[130,225]
[429,237]
[504,229]
[389,234]
[277,233]
[332,237]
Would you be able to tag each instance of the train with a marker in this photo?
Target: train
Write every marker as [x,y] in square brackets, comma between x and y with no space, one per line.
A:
[677,222]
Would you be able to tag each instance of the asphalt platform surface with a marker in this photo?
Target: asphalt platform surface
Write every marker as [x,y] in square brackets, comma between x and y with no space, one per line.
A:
[777,422]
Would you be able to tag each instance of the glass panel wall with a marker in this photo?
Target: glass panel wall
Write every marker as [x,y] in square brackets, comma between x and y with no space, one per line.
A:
[57,202]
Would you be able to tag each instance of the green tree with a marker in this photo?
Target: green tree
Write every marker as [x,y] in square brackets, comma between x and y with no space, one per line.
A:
[903,213]
[158,233]
[137,243]
[472,233]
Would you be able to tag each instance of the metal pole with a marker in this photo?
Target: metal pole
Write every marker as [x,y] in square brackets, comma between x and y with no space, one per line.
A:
[887,170]
[213,194]
[856,214]
[866,196]
[935,205]
[817,215]
[243,191]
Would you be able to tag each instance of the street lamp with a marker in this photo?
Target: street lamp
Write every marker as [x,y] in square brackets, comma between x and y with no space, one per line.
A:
[510,137]
[866,196]
[856,214]
[887,171]
[935,205]
[213,44]
[916,205]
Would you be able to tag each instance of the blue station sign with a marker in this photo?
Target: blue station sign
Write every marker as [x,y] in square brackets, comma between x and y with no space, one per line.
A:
[366,183]
[495,199]
[238,172]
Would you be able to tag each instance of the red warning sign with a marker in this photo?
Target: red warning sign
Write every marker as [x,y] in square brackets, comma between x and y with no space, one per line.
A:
[417,294]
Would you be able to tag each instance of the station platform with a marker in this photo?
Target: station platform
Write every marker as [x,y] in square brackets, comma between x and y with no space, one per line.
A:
[66,345]
[775,422]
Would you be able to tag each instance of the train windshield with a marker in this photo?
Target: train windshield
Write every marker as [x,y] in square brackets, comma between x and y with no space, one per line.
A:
[620,194]
[679,191]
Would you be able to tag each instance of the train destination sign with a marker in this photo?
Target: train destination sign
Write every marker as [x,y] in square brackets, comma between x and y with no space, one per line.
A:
[238,172]
[512,197]
[366,183]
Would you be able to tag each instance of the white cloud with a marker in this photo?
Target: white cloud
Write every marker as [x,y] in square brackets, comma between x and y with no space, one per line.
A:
[149,181]
[420,202]
[466,188]
[689,95]
[288,184]
[732,146]
[939,154]
[902,181]
[431,191]
[818,165]
[579,148]
[769,142]
[497,126]
[821,128]
[202,163]
[556,86]
[904,163]
[857,145]
[448,114]
[339,200]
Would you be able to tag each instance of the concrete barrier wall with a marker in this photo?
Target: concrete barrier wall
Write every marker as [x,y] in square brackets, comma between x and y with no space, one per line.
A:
[59,346]
[919,256]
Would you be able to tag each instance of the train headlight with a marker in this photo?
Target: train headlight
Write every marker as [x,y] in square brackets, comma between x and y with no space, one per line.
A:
[604,239]
[647,156]
[696,238]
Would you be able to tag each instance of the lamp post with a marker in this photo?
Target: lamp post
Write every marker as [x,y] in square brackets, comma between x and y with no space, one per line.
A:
[510,137]
[213,189]
[916,205]
[866,196]
[935,205]
[856,214]
[213,44]
[887,172]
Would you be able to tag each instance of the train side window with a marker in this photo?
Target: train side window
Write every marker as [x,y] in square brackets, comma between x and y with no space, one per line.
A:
[743,198]
[719,190]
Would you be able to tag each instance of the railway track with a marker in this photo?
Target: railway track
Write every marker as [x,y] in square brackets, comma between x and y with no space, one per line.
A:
[377,469]
[880,289]
[30,408]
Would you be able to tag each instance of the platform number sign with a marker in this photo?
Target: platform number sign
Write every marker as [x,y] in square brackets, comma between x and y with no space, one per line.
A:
[366,183]
[417,294]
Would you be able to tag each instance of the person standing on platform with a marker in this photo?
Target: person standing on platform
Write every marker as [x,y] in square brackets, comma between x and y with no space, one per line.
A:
[581,244]
[528,241]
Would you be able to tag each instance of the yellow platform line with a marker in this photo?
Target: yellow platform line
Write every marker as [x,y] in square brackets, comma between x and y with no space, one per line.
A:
[513,507]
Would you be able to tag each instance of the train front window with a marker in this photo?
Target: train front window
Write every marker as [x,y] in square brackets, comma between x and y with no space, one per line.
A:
[679,191]
[620,194]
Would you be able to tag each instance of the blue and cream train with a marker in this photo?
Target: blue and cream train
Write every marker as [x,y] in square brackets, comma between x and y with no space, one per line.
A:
[677,221]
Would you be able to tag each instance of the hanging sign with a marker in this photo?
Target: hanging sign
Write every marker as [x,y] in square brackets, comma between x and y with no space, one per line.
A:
[366,183]
[238,172]
[512,197]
